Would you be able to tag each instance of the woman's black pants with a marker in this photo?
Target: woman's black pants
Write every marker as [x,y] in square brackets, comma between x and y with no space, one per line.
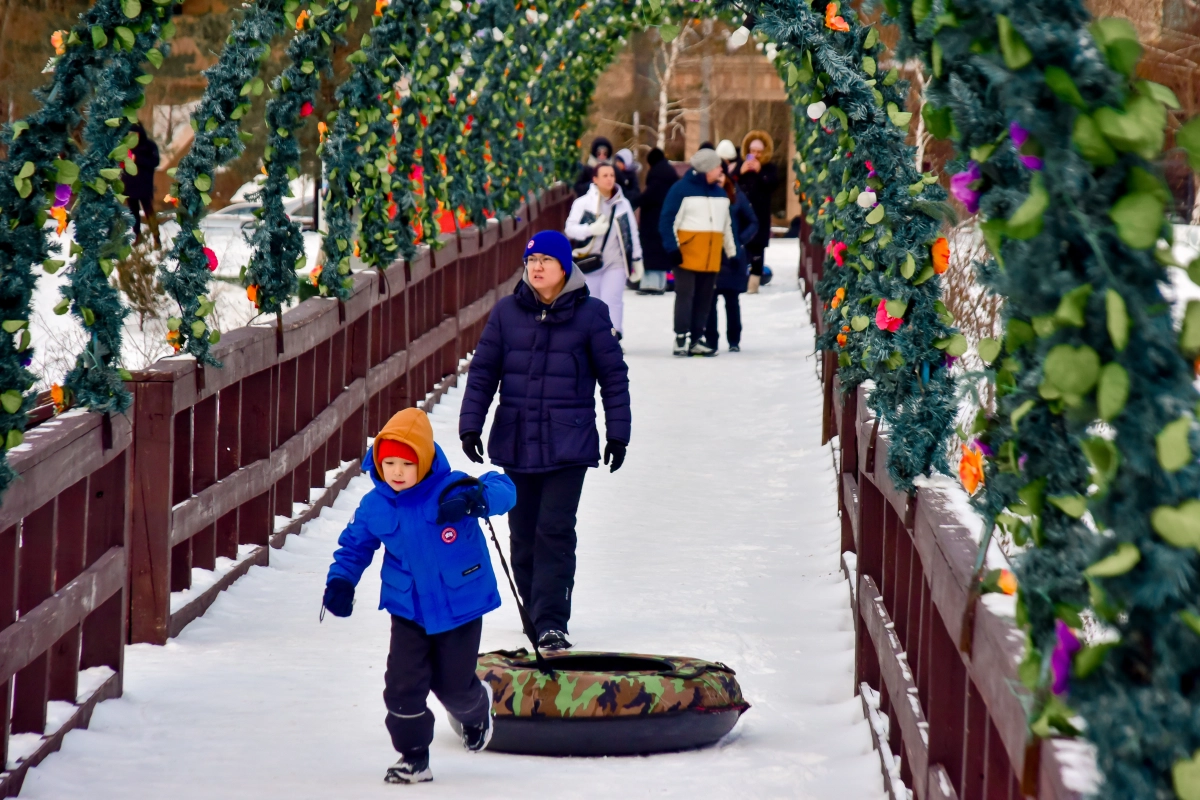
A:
[542,543]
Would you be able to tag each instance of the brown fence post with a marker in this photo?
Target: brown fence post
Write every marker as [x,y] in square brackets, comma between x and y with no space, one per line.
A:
[150,537]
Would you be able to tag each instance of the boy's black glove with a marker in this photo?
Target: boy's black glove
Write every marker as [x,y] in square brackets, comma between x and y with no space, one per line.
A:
[675,257]
[472,445]
[339,597]
[615,451]
[470,502]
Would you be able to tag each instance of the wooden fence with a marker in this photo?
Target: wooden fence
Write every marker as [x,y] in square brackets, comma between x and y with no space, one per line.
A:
[110,516]
[952,717]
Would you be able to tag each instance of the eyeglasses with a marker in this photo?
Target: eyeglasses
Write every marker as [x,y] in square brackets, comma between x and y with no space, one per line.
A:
[539,260]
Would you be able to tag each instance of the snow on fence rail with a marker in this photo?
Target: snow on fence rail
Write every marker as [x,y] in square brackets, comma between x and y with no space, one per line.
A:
[955,718]
[212,466]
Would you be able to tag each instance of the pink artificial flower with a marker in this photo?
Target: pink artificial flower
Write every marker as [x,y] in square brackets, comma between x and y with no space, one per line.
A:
[885,321]
[212,259]
[870,169]
[306,109]
[837,250]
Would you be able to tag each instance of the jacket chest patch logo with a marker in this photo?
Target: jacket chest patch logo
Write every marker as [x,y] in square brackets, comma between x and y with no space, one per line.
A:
[449,535]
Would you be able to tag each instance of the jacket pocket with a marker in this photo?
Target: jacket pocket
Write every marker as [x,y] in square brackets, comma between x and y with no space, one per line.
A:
[397,590]
[464,560]
[573,436]
[502,442]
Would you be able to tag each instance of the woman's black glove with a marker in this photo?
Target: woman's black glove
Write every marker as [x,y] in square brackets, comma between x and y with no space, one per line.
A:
[470,502]
[472,445]
[615,451]
[339,597]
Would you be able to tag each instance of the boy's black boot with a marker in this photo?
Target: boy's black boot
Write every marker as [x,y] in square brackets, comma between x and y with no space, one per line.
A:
[413,767]
[476,737]
[553,640]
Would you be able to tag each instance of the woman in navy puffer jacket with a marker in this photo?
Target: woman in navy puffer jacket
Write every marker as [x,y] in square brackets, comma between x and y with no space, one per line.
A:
[545,347]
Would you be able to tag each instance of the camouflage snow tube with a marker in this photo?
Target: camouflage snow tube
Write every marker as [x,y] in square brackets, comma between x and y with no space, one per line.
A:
[599,704]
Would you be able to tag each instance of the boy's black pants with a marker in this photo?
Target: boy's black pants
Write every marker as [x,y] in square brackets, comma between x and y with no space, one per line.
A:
[733,318]
[542,543]
[442,662]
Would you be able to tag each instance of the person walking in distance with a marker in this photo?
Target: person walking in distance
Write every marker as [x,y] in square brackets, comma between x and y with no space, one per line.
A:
[545,347]
[604,232]
[695,228]
[627,176]
[758,178]
[732,279]
[602,150]
[659,180]
[139,187]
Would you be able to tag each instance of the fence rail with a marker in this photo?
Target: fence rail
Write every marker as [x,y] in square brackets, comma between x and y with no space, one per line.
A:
[111,515]
[954,716]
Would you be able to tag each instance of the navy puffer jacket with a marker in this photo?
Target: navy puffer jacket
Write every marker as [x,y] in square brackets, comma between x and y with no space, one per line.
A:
[546,361]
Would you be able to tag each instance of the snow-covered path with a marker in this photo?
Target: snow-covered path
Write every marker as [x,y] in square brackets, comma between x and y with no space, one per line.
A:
[717,539]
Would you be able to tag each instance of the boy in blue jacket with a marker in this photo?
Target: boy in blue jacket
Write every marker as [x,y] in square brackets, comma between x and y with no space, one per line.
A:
[437,584]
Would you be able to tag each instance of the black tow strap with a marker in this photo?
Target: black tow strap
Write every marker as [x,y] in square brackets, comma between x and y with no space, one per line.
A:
[526,623]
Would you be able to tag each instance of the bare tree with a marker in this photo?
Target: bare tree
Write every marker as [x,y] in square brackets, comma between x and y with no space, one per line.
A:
[922,137]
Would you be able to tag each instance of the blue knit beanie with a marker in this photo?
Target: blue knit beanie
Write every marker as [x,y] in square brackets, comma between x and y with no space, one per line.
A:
[553,244]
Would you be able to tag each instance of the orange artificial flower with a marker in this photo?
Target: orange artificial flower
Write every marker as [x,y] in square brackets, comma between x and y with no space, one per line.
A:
[833,21]
[357,250]
[59,396]
[838,297]
[322,129]
[970,469]
[171,199]
[252,294]
[59,40]
[841,340]
[60,214]
[173,340]
[300,20]
[941,255]
[1007,582]
[315,275]
[380,5]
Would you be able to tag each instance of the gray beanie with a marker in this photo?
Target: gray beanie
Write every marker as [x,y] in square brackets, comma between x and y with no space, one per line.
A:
[705,159]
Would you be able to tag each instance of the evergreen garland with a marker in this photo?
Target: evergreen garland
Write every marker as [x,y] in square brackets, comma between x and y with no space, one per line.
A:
[879,221]
[1091,454]
[270,277]
[358,160]
[217,141]
[100,221]
[41,153]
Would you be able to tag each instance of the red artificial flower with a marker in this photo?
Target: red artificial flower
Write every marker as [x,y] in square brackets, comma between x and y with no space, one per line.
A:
[306,109]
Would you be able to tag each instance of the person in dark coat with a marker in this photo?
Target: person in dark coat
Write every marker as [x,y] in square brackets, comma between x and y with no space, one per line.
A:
[545,347]
[139,187]
[758,178]
[659,180]
[735,272]
[627,177]
[602,150]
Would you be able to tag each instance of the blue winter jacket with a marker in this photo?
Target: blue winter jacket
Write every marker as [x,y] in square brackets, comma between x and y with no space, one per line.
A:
[735,272]
[546,361]
[437,575]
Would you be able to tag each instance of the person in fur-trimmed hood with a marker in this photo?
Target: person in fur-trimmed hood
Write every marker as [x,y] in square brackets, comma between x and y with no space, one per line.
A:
[758,178]
[437,584]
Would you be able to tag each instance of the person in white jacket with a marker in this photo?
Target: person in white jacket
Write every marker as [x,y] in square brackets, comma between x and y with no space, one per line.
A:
[602,223]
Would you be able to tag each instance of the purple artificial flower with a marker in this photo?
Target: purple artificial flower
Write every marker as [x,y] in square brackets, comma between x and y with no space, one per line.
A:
[1033,163]
[1019,135]
[983,448]
[964,186]
[62,195]
[949,360]
[1060,660]
[1021,461]
[1031,160]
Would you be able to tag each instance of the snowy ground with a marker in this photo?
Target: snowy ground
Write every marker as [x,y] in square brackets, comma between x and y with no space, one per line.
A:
[717,539]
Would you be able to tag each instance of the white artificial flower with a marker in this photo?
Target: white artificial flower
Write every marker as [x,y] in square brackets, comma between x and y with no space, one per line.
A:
[452,82]
[531,15]
[816,110]
[772,51]
[498,34]
[543,17]
[866,199]
[456,6]
[739,37]
[524,49]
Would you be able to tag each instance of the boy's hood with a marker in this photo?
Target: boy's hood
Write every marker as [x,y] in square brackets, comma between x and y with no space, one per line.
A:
[439,467]
[410,426]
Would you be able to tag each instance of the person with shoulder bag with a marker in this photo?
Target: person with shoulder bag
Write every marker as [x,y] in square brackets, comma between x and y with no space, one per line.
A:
[604,237]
